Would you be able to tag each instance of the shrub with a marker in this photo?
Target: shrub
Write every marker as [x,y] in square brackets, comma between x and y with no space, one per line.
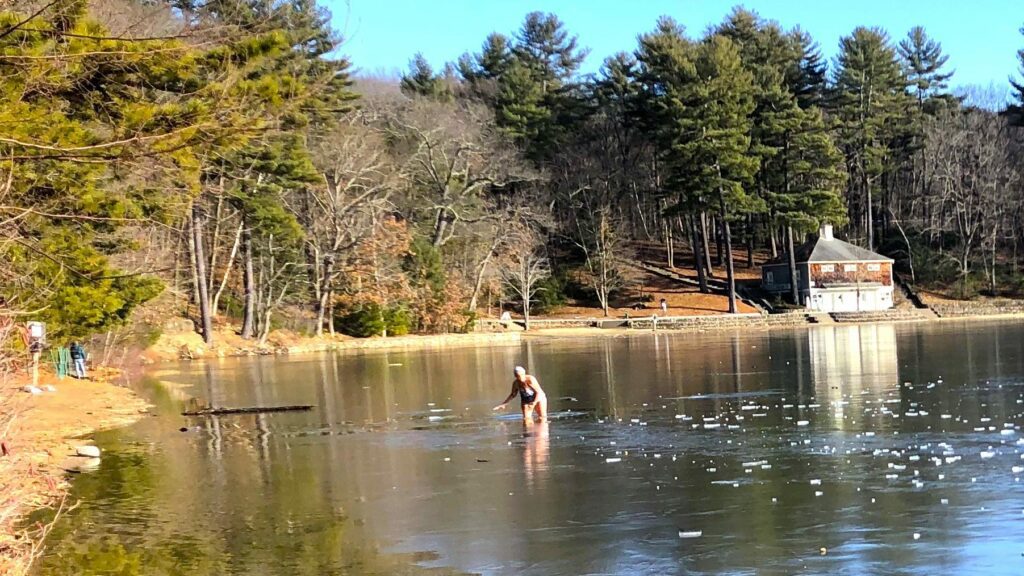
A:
[370,319]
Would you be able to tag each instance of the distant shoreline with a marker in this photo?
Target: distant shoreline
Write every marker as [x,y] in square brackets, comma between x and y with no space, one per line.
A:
[172,348]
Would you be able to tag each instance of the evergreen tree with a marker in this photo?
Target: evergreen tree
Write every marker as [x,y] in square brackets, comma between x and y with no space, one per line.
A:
[1017,110]
[113,124]
[869,99]
[537,96]
[480,72]
[923,61]
[308,90]
[808,81]
[711,161]
[421,80]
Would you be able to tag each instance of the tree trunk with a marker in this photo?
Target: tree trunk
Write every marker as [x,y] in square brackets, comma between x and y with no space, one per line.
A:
[698,257]
[730,273]
[869,217]
[794,286]
[201,277]
[750,241]
[227,272]
[330,312]
[719,240]
[191,241]
[249,286]
[321,312]
[670,257]
[526,311]
[705,244]
[440,225]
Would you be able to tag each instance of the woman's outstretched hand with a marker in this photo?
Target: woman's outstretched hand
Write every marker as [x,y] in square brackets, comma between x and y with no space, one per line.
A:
[498,407]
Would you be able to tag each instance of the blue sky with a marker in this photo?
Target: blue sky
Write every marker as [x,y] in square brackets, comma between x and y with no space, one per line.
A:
[981,37]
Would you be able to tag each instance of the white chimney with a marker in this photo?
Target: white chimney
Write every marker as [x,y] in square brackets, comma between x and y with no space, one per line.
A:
[826,232]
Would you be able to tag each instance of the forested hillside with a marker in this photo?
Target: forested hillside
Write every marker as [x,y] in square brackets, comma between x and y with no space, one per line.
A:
[224,156]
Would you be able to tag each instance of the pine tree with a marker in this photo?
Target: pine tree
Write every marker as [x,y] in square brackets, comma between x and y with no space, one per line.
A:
[923,60]
[808,81]
[1017,110]
[711,160]
[308,90]
[869,97]
[804,177]
[114,125]
[480,72]
[537,94]
[421,80]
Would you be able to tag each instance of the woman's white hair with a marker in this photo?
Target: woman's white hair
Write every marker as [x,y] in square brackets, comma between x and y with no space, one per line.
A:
[519,370]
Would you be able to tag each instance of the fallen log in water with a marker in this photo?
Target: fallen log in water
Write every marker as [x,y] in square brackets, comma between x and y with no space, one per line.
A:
[249,410]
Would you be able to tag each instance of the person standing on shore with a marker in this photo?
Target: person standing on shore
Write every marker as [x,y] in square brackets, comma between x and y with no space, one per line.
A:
[531,396]
[78,356]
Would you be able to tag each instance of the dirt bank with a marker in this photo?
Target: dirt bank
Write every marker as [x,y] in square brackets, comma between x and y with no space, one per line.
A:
[40,435]
[189,345]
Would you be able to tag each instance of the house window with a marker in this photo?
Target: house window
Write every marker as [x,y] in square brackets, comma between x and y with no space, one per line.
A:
[828,268]
[874,267]
[849,267]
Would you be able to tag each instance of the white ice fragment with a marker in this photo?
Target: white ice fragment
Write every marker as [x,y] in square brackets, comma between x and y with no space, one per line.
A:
[986,454]
[612,460]
[691,533]
[917,535]
[815,481]
[802,422]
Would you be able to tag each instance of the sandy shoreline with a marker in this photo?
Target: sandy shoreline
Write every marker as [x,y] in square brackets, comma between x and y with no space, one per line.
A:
[175,347]
[46,431]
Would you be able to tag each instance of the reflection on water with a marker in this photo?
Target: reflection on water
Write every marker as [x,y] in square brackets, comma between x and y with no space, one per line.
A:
[771,444]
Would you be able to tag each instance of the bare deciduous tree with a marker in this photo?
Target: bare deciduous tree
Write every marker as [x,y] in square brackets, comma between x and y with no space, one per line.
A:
[524,267]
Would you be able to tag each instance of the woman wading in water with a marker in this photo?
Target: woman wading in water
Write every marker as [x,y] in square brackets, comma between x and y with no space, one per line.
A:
[531,395]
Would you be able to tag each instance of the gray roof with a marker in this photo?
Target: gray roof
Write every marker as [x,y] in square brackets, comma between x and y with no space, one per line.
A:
[834,250]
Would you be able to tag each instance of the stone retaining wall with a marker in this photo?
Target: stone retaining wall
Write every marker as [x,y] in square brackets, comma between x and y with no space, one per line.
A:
[891,315]
[980,308]
[699,322]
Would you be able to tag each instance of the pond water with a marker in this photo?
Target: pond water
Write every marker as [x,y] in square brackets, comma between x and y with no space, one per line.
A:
[870,449]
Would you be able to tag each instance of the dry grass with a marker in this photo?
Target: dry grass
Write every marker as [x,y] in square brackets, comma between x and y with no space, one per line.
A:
[23,487]
[36,436]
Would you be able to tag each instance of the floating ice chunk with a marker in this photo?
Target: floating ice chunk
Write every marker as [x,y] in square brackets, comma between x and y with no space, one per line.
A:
[986,454]
[815,481]
[944,501]
[711,426]
[691,533]
[1017,469]
[917,535]
[802,422]
[818,493]
[612,460]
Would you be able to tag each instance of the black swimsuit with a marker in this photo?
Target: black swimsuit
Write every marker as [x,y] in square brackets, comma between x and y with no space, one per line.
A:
[527,395]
